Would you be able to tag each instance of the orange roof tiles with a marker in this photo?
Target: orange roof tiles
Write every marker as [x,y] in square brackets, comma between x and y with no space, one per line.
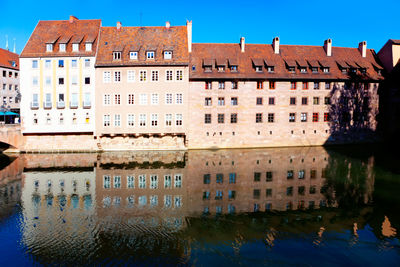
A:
[141,40]
[7,58]
[61,31]
[288,54]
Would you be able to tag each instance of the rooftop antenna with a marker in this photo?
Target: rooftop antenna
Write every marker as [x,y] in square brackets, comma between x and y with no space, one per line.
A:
[6,42]
[14,50]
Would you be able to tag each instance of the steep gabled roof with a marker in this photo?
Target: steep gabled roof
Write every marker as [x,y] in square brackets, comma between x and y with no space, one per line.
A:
[62,31]
[7,58]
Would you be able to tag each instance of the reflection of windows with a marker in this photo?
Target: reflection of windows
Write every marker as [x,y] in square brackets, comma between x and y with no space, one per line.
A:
[313,174]
[178,181]
[142,181]
[218,195]
[220,178]
[106,181]
[290,174]
[268,192]
[206,195]
[232,178]
[256,193]
[106,202]
[231,208]
[289,191]
[154,200]
[130,181]
[117,181]
[231,194]
[257,176]
[167,181]
[177,201]
[153,181]
[301,174]
[167,201]
[206,178]
[269,176]
[142,200]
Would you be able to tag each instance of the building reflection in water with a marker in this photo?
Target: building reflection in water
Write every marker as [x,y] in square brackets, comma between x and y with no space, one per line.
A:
[140,200]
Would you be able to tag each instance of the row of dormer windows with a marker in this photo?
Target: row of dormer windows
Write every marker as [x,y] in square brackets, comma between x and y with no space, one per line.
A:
[62,47]
[133,55]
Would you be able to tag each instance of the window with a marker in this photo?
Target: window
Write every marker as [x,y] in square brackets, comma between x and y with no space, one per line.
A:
[234,85]
[259,101]
[106,76]
[131,76]
[221,118]
[154,99]
[117,76]
[107,100]
[221,68]
[117,99]
[208,101]
[304,101]
[87,80]
[62,47]
[232,178]
[258,117]
[292,117]
[325,69]
[142,75]
[292,69]
[49,47]
[168,75]
[142,120]
[292,85]
[234,68]
[131,120]
[10,86]
[47,64]
[168,99]
[179,99]
[106,120]
[234,118]
[292,101]
[314,70]
[327,85]
[315,117]
[154,75]
[133,55]
[271,69]
[179,75]
[303,117]
[234,101]
[130,181]
[61,63]
[305,85]
[74,63]
[208,85]
[221,101]
[87,63]
[220,178]
[154,119]
[116,55]
[168,119]
[106,181]
[289,174]
[271,117]
[271,85]
[271,101]
[117,120]
[268,177]
[75,47]
[327,100]
[131,99]
[257,176]
[259,69]
[303,70]
[207,118]
[74,80]
[34,65]
[316,85]
[260,85]
[178,119]
[316,100]
[88,47]
[178,181]
[221,85]
[326,116]
[150,54]
[143,99]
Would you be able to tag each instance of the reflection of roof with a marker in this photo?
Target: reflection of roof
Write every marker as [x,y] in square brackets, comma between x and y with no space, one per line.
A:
[289,55]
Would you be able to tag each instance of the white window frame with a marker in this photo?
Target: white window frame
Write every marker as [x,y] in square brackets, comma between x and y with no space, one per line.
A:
[87,63]
[131,99]
[154,99]
[75,47]
[142,120]
[117,76]
[49,47]
[169,75]
[47,63]
[106,76]
[143,76]
[168,54]
[178,118]
[117,120]
[150,55]
[35,64]
[107,100]
[133,55]
[179,99]
[117,99]
[130,76]
[74,63]
[154,118]
[154,75]
[143,99]
[179,75]
[168,120]
[88,47]
[62,47]
[106,120]
[130,120]
[169,99]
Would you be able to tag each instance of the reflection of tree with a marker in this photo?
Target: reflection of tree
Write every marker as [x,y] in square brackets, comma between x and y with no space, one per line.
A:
[351,111]
[347,182]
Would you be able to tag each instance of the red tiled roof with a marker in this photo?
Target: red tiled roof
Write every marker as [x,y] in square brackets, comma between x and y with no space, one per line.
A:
[289,54]
[142,39]
[7,58]
[62,31]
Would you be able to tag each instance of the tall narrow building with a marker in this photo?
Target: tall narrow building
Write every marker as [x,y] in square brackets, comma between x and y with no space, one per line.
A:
[9,81]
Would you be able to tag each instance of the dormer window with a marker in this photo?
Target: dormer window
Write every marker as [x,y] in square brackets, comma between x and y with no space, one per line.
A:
[221,68]
[290,65]
[258,64]
[150,54]
[49,47]
[167,54]
[133,55]
[259,69]
[353,70]
[303,70]
[363,70]
[116,55]
[62,47]
[234,68]
[88,47]
[379,71]
[344,70]
[13,64]
[75,47]
[325,70]
[207,69]
[271,69]
[314,70]
[207,65]
[292,69]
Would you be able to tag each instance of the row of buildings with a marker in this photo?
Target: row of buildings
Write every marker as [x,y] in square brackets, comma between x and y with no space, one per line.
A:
[86,86]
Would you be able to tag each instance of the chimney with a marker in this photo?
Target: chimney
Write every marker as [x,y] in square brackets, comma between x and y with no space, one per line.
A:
[119,25]
[242,44]
[189,35]
[72,19]
[275,45]
[167,24]
[362,47]
[328,47]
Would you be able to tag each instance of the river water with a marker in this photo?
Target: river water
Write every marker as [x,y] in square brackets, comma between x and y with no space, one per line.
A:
[283,206]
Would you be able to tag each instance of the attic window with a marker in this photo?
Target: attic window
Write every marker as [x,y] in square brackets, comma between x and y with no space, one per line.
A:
[75,47]
[88,47]
[353,70]
[116,55]
[49,47]
[221,68]
[325,69]
[379,71]
[167,54]
[344,70]
[234,68]
[314,69]
[363,70]
[62,47]
[291,69]
[271,69]
[207,68]
[133,55]
[150,55]
[303,69]
[259,69]
[13,64]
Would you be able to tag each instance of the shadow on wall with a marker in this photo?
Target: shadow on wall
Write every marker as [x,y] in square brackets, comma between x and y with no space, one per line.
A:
[352,114]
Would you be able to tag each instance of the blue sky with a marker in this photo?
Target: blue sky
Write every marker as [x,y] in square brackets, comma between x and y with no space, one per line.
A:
[295,22]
